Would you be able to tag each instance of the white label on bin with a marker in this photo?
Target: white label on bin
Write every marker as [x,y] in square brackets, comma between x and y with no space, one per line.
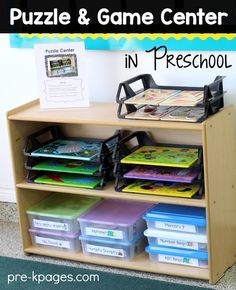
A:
[176,227]
[50,225]
[177,243]
[107,251]
[106,233]
[178,260]
[52,242]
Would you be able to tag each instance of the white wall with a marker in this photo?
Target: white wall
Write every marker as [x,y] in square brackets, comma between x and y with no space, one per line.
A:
[105,69]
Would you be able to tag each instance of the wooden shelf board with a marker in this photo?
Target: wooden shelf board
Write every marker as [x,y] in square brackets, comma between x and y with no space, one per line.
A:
[96,114]
[109,192]
[140,263]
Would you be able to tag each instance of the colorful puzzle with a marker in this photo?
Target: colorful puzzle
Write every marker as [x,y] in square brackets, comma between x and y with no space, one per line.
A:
[70,149]
[163,174]
[151,97]
[163,188]
[67,166]
[73,180]
[163,156]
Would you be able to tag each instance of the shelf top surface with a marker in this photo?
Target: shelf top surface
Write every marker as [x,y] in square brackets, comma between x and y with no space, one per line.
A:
[96,114]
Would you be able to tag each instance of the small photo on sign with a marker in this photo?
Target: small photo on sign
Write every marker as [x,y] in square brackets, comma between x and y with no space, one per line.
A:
[61,65]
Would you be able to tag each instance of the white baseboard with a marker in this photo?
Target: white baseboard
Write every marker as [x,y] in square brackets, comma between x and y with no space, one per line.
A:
[7,194]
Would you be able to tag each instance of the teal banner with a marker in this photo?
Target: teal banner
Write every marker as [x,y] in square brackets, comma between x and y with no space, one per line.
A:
[218,42]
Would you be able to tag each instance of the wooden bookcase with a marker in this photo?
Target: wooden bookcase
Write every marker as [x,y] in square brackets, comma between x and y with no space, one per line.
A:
[216,135]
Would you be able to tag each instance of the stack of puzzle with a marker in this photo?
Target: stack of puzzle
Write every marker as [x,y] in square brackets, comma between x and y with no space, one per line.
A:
[167,105]
[170,170]
[64,161]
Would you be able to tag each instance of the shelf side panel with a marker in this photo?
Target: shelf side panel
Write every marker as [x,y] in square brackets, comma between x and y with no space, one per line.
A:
[220,155]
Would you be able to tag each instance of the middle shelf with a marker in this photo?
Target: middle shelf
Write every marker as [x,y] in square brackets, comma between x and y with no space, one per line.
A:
[109,192]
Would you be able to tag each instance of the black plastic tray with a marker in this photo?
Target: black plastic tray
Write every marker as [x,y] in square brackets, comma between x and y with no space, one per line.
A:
[32,175]
[52,133]
[104,167]
[139,139]
[213,99]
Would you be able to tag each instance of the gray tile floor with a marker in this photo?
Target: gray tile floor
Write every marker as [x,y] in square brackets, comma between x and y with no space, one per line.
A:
[10,245]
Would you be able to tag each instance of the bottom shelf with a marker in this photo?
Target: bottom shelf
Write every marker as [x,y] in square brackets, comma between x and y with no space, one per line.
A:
[140,263]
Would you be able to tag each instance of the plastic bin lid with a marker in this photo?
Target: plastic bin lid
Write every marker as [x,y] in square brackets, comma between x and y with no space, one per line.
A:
[177,252]
[111,241]
[55,234]
[176,236]
[119,212]
[66,206]
[177,214]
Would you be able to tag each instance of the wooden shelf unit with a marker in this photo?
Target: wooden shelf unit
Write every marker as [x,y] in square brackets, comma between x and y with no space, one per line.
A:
[216,135]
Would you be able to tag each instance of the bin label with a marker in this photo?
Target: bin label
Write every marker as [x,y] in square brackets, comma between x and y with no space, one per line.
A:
[176,227]
[178,260]
[177,243]
[106,233]
[106,251]
[52,242]
[50,225]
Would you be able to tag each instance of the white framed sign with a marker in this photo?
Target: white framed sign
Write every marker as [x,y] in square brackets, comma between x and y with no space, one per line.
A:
[62,79]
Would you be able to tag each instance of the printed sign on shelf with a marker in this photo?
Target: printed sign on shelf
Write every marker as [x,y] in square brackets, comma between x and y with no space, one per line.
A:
[62,78]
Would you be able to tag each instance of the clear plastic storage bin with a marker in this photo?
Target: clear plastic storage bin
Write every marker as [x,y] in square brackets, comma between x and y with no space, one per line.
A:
[177,218]
[59,212]
[178,256]
[115,220]
[113,249]
[60,242]
[176,240]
